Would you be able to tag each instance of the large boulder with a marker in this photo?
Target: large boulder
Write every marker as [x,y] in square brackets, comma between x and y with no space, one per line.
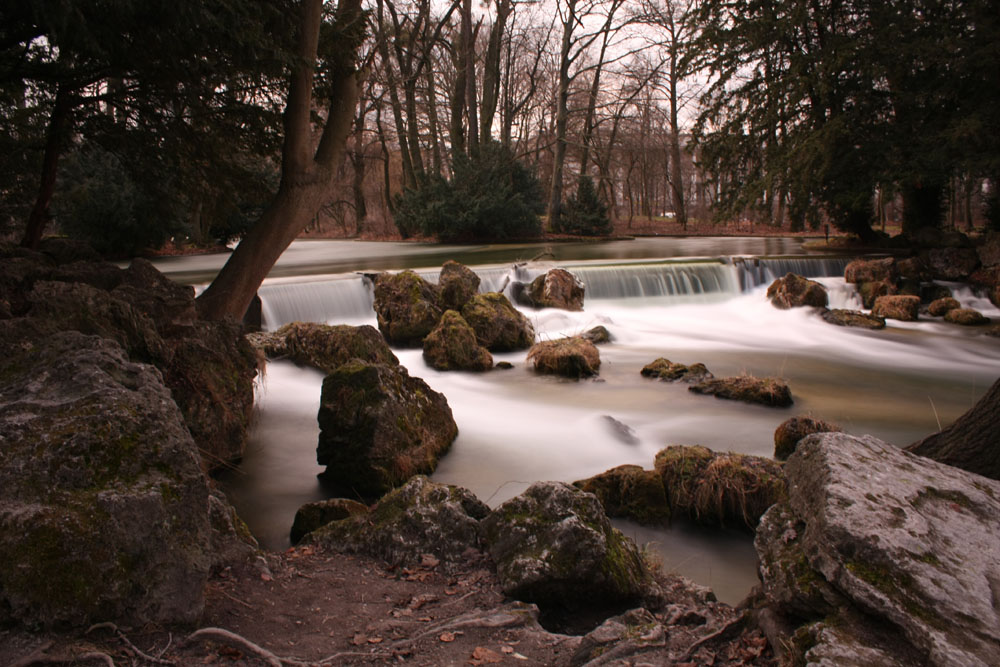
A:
[556,288]
[790,431]
[952,263]
[498,325]
[418,519]
[630,492]
[452,345]
[553,545]
[379,427]
[324,346]
[458,284]
[769,391]
[794,291]
[902,307]
[574,357]
[873,278]
[719,489]
[669,371]
[315,515]
[843,317]
[104,509]
[407,307]
[898,547]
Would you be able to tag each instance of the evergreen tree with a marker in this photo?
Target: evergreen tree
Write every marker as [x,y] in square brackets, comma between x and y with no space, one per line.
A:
[584,214]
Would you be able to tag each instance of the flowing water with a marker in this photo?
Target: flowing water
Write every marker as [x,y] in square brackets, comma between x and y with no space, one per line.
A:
[657,300]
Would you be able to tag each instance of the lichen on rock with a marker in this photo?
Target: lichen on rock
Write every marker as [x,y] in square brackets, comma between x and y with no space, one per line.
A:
[324,346]
[452,345]
[407,307]
[498,325]
[458,283]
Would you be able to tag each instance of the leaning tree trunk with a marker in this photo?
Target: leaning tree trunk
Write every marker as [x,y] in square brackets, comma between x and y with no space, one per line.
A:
[55,141]
[306,172]
[973,442]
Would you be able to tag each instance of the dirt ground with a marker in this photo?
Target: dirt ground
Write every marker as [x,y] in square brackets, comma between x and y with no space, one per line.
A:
[314,608]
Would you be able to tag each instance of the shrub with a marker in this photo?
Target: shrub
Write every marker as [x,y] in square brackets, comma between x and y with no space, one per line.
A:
[584,213]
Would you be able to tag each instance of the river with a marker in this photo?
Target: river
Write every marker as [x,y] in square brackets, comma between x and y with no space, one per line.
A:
[686,299]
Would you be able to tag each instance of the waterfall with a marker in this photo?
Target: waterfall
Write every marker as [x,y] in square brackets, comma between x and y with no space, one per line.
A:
[348,298]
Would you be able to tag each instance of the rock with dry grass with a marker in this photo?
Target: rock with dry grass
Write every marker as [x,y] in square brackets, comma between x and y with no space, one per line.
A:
[669,371]
[407,307]
[379,427]
[323,346]
[420,519]
[499,326]
[573,357]
[452,345]
[553,545]
[794,291]
[630,492]
[852,318]
[458,283]
[719,489]
[790,431]
[769,391]
[902,307]
[968,317]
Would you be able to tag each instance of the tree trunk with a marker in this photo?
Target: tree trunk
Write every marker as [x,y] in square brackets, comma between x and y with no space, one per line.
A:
[306,174]
[358,175]
[972,443]
[469,54]
[562,117]
[55,138]
[491,71]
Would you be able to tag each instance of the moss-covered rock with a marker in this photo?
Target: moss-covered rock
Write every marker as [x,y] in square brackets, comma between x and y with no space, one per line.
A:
[794,291]
[768,391]
[313,516]
[869,270]
[597,335]
[573,357]
[553,545]
[498,325]
[407,307]
[379,427]
[790,431]
[103,504]
[940,307]
[458,283]
[669,371]
[952,263]
[719,489]
[630,492]
[852,318]
[325,346]
[966,317]
[556,288]
[452,346]
[421,517]
[902,307]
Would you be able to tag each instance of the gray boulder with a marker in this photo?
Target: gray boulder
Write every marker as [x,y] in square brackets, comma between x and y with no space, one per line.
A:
[872,532]
[312,516]
[379,427]
[452,345]
[499,326]
[324,346]
[418,519]
[104,509]
[554,545]
[458,284]
[406,306]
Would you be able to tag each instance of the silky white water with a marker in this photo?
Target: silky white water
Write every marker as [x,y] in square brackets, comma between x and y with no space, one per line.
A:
[516,427]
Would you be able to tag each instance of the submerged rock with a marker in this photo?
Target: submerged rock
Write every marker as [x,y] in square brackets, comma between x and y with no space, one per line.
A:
[904,544]
[557,288]
[966,317]
[630,492]
[794,291]
[313,516]
[323,346]
[498,325]
[719,489]
[597,335]
[452,345]
[790,431]
[573,357]
[940,307]
[664,369]
[407,307]
[853,318]
[379,427]
[554,545]
[763,391]
[458,283]
[902,307]
[418,519]
[104,509]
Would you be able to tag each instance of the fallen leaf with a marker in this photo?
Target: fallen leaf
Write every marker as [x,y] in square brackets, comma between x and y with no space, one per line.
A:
[374,640]
[481,654]
[506,649]
[359,639]
[447,636]
[265,576]
[425,619]
[428,560]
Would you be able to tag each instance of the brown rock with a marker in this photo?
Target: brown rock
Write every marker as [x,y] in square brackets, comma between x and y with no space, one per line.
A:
[940,307]
[630,492]
[763,391]
[789,432]
[871,270]
[853,318]
[458,284]
[966,317]
[570,357]
[664,369]
[452,345]
[499,326]
[558,288]
[952,263]
[794,291]
[407,307]
[897,307]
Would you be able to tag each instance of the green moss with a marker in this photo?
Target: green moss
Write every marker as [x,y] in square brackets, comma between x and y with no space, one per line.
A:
[930,493]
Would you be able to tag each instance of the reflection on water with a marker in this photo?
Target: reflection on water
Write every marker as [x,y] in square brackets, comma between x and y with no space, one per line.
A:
[516,428]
